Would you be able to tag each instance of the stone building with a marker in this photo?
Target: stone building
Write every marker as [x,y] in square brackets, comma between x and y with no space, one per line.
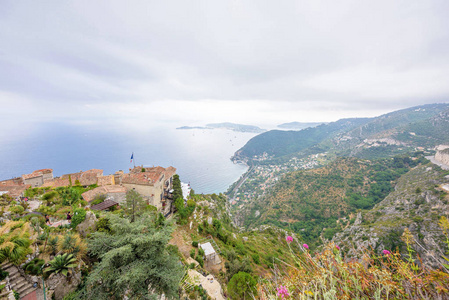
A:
[154,184]
[38,177]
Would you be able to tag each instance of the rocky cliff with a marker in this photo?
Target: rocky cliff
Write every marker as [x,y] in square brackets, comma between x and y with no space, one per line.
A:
[442,154]
[417,203]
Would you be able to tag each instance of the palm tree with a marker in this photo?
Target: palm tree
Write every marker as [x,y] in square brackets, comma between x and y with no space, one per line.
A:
[14,242]
[61,264]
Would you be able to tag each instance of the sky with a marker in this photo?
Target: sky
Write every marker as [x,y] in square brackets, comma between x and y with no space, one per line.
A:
[195,62]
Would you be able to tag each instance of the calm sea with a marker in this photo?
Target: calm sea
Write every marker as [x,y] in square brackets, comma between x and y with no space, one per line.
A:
[200,156]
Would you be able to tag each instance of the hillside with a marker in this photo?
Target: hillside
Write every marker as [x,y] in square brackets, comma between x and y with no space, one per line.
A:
[309,201]
[417,203]
[299,125]
[369,138]
[279,143]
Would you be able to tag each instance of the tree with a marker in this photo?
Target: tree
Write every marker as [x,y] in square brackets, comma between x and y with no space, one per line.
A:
[177,190]
[61,264]
[133,260]
[242,286]
[134,204]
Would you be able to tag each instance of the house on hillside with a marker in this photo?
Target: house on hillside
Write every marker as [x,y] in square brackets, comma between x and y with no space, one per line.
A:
[15,191]
[154,184]
[85,178]
[112,192]
[38,177]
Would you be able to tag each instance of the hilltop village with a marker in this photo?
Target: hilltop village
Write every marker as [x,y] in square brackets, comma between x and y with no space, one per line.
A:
[155,184]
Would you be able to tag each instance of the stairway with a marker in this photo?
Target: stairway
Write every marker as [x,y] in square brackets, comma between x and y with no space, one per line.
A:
[17,282]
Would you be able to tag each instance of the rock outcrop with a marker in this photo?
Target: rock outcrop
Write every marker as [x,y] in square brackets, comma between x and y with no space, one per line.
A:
[442,154]
[88,225]
[417,203]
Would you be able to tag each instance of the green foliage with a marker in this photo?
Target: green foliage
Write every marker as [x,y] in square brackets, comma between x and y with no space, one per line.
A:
[200,260]
[14,242]
[200,252]
[61,264]
[195,244]
[98,199]
[34,267]
[52,245]
[16,295]
[79,215]
[103,225]
[134,205]
[3,274]
[242,285]
[256,258]
[177,190]
[134,257]
[18,209]
[192,253]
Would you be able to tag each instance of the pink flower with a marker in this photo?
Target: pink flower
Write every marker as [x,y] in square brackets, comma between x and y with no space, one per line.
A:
[305,246]
[386,252]
[289,239]
[282,291]
[338,248]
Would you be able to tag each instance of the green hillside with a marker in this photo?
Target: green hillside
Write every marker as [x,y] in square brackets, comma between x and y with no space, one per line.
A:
[309,201]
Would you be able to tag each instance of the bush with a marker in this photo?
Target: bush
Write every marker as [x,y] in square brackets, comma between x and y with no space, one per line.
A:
[256,258]
[200,251]
[192,253]
[200,260]
[18,209]
[79,215]
[3,274]
[242,285]
[195,244]
[34,267]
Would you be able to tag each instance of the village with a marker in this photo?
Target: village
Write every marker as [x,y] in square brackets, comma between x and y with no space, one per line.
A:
[263,176]
[155,184]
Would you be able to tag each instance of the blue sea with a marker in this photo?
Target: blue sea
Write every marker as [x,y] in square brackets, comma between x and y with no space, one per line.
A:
[201,156]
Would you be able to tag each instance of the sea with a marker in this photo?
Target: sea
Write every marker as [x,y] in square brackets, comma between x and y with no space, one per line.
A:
[201,156]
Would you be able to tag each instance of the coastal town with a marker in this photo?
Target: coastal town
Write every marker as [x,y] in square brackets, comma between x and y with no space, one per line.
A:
[261,177]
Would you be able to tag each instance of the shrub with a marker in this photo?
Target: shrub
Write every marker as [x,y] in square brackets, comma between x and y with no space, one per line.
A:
[3,274]
[34,267]
[242,285]
[192,253]
[200,251]
[18,209]
[195,244]
[79,215]
[200,260]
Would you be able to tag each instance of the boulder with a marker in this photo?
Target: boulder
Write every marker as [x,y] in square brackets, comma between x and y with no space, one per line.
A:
[88,225]
[62,285]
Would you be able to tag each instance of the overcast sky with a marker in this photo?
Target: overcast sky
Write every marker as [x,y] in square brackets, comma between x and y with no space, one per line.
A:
[192,62]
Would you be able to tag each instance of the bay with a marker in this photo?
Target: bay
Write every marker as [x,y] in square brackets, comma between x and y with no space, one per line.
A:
[201,156]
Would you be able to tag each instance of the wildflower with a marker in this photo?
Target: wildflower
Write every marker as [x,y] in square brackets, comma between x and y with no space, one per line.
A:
[338,248]
[386,252]
[289,239]
[282,291]
[305,246]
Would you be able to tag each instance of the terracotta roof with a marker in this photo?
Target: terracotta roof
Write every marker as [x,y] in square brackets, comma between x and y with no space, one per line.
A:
[90,195]
[106,180]
[44,171]
[57,182]
[88,178]
[149,177]
[14,190]
[14,181]
[32,175]
[98,172]
[104,205]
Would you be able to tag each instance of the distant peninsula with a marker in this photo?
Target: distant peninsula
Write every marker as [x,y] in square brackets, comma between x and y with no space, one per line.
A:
[299,125]
[229,126]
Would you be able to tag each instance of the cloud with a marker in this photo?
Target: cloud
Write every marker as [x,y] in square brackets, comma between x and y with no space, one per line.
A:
[242,61]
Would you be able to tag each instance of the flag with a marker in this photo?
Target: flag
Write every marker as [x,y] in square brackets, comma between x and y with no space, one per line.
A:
[132,157]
